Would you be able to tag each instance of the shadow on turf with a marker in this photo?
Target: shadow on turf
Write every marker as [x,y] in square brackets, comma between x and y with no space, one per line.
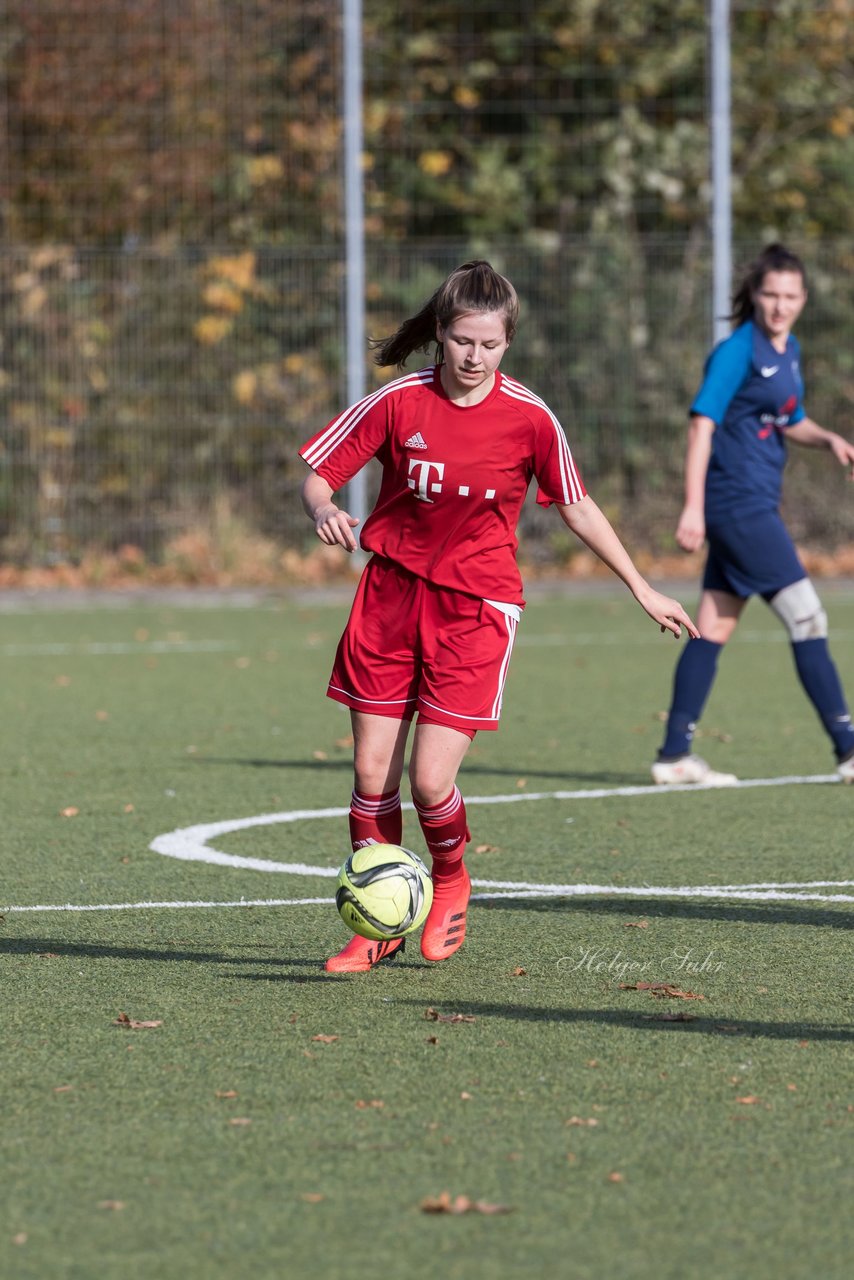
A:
[54,949]
[638,1020]
[703,909]
[602,777]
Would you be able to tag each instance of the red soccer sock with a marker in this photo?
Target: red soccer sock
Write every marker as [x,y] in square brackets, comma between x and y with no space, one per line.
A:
[375,819]
[445,831]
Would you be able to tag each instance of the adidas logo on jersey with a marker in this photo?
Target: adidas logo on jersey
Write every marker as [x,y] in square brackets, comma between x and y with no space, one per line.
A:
[416,442]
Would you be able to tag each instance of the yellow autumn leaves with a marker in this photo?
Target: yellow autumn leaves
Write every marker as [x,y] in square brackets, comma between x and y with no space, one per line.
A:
[230,280]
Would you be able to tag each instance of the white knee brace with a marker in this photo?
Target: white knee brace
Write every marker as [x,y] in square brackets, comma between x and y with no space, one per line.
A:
[799,609]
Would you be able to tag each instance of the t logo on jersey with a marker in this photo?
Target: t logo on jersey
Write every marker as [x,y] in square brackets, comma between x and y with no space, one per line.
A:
[420,478]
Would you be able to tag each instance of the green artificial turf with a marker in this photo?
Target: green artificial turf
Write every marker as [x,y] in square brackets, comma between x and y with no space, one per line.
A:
[280,1121]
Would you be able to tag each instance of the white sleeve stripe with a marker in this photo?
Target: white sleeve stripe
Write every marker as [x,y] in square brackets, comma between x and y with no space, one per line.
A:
[317,453]
[570,479]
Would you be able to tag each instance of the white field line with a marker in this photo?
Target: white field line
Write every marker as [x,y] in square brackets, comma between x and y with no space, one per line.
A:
[190,844]
[583,638]
[167,906]
[768,893]
[97,648]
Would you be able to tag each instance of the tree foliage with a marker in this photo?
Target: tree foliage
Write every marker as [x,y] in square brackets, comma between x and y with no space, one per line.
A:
[172,227]
[219,120]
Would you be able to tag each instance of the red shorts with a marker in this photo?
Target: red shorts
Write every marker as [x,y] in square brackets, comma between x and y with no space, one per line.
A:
[411,646]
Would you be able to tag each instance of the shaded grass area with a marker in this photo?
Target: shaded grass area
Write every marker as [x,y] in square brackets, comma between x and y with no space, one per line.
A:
[628,1134]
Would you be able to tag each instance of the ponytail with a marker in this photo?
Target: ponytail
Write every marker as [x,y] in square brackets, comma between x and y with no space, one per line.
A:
[474,286]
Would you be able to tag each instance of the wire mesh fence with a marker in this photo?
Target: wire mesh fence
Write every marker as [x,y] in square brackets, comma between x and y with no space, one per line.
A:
[172,254]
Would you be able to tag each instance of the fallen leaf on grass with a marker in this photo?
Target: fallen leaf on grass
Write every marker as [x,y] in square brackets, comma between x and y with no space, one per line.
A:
[69,812]
[581,1121]
[226,1093]
[486,848]
[636,924]
[444,1203]
[325,1039]
[433,1015]
[344,742]
[111,1204]
[519,972]
[616,1177]
[661,989]
[749,1100]
[361,1105]
[320,755]
[134,1024]
[240,1121]
[432,1040]
[312,1197]
[20,1238]
[63,1088]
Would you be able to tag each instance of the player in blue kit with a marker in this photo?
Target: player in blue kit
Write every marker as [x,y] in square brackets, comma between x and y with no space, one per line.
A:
[749,406]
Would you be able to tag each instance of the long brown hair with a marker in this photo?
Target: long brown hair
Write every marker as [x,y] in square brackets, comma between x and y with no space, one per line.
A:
[774,257]
[474,286]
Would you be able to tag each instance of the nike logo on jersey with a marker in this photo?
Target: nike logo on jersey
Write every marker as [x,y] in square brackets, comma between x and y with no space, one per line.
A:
[768,369]
[415,442]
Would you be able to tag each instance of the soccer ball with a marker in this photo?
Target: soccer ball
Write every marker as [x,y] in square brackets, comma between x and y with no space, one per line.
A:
[383,892]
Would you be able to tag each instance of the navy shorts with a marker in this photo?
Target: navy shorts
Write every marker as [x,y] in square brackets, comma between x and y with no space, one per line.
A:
[753,556]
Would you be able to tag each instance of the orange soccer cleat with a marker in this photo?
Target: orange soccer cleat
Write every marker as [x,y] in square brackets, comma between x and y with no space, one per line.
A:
[445,928]
[361,954]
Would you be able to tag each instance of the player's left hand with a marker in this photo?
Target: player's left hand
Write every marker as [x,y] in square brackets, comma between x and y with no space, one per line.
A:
[668,613]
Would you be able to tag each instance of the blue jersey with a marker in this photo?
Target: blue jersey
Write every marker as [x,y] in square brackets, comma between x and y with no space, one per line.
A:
[752,393]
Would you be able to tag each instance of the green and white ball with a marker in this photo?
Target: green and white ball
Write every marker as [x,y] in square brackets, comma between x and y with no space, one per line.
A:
[383,891]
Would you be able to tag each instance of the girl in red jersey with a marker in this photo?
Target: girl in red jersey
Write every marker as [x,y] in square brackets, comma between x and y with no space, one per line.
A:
[435,613]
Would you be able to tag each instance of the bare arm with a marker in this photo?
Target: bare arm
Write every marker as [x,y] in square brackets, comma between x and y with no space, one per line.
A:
[331,524]
[594,529]
[809,433]
[691,529]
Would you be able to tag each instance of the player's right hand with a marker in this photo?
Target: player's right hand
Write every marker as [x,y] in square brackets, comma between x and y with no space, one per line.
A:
[335,527]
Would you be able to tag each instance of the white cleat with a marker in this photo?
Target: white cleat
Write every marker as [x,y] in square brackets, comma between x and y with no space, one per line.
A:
[845,769]
[670,773]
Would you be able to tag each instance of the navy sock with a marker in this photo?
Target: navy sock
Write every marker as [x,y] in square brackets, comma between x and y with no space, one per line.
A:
[692,683]
[820,679]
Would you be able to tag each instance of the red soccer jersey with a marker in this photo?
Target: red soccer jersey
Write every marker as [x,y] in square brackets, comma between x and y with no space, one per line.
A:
[454,479]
